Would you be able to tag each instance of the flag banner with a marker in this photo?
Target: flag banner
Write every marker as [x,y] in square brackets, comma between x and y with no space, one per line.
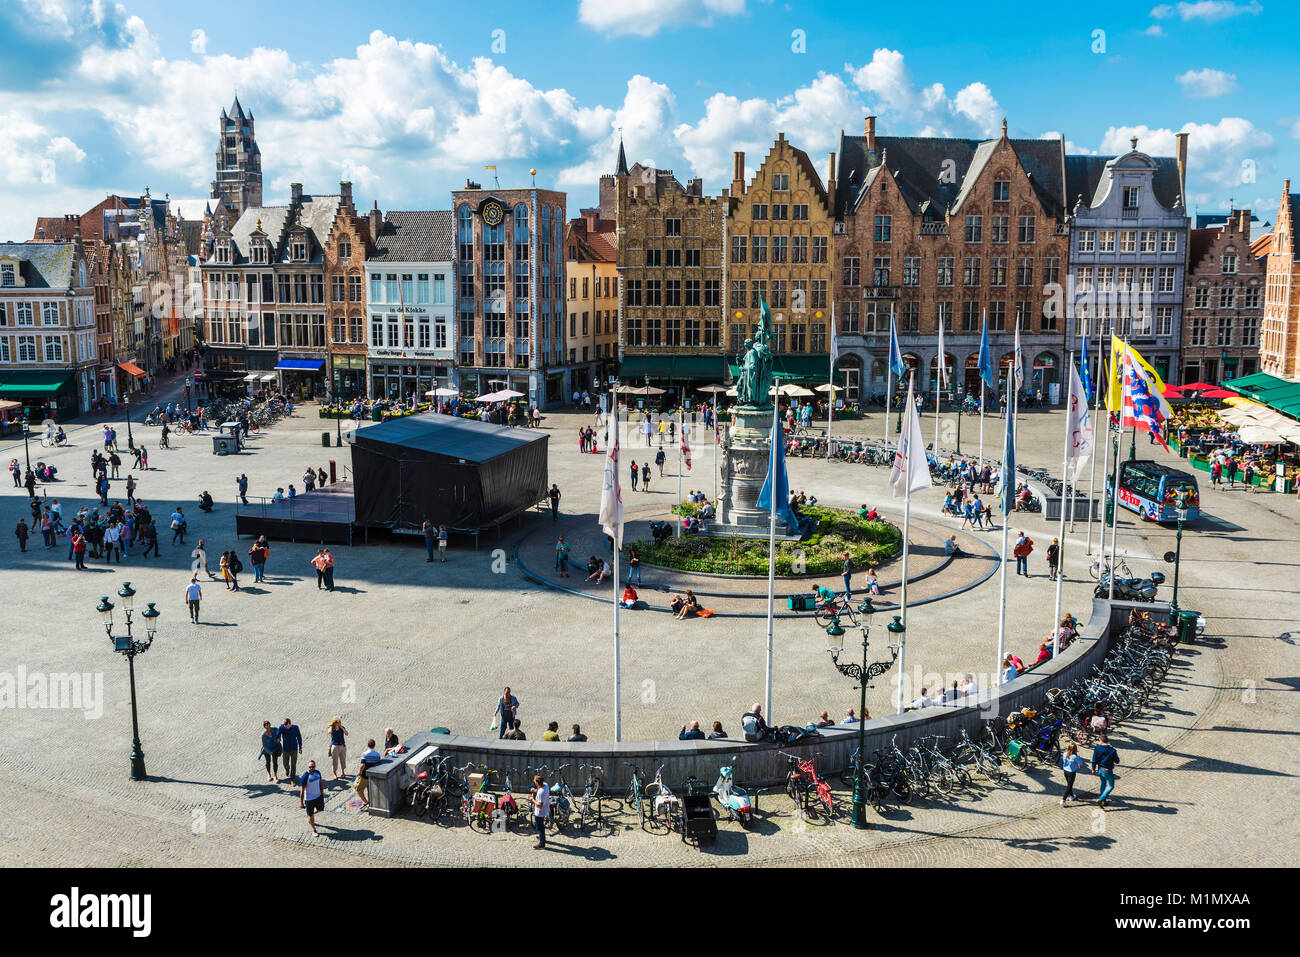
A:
[1078,425]
[1115,388]
[911,471]
[835,340]
[895,354]
[1140,409]
[1008,483]
[777,482]
[1019,360]
[611,496]
[942,379]
[1087,375]
[686,447]
[986,358]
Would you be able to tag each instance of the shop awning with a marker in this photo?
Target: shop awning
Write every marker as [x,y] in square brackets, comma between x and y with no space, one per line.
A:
[268,378]
[35,383]
[132,369]
[300,365]
[669,366]
[251,377]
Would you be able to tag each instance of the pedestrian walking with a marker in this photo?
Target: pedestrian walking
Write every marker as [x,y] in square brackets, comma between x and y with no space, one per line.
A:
[16,471]
[660,458]
[270,752]
[150,540]
[320,563]
[79,548]
[847,576]
[130,489]
[1071,764]
[114,464]
[338,747]
[290,747]
[257,556]
[1104,759]
[1024,545]
[311,794]
[20,532]
[562,549]
[442,542]
[636,474]
[554,495]
[645,476]
[504,715]
[193,596]
[241,483]
[329,570]
[178,526]
[111,536]
[142,458]
[124,536]
[1053,559]
[541,801]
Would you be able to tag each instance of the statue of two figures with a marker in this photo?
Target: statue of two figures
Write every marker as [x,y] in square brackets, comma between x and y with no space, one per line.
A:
[756,365]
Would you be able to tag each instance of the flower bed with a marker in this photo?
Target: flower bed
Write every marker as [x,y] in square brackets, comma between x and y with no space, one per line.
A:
[822,553]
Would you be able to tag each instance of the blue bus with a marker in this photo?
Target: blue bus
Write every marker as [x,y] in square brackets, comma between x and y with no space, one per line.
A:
[1148,488]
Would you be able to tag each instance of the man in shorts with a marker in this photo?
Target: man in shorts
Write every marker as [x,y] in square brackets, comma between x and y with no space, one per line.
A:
[311,794]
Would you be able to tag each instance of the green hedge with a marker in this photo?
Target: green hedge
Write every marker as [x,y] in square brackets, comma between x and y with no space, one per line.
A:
[822,553]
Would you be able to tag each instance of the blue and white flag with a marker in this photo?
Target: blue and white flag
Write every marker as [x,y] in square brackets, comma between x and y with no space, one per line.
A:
[911,471]
[895,354]
[777,482]
[1008,489]
[986,358]
[1078,425]
[1083,367]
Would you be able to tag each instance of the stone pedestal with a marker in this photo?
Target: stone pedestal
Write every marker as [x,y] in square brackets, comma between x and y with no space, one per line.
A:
[744,467]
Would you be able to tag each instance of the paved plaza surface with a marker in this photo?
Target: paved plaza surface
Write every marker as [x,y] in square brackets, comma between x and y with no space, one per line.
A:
[1207,776]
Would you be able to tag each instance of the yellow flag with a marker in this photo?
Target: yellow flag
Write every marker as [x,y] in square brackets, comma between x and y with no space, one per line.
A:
[1113,388]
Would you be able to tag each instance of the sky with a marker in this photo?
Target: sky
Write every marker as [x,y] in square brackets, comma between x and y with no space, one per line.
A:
[408,99]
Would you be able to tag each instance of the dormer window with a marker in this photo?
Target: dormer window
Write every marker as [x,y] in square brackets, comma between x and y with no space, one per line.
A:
[1132,197]
[223,252]
[258,252]
[9,275]
[299,250]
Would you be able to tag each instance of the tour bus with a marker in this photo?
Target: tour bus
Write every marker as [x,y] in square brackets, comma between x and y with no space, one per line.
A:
[1148,488]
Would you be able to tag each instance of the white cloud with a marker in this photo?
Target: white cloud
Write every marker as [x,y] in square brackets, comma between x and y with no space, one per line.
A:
[1155,30]
[647,17]
[1208,11]
[1221,155]
[198,40]
[924,111]
[29,155]
[1207,83]
[1071,147]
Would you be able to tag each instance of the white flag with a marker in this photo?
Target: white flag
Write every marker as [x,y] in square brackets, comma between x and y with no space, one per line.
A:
[835,339]
[943,377]
[1079,424]
[911,471]
[611,496]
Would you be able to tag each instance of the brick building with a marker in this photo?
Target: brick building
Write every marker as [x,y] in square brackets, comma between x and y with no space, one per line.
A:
[947,230]
[1128,251]
[346,248]
[671,272]
[409,308]
[591,265]
[779,230]
[510,292]
[1279,346]
[1224,304]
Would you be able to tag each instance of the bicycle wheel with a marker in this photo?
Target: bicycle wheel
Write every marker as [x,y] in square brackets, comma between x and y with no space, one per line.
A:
[826,798]
[943,780]
[639,800]
[876,799]
[901,788]
[849,773]
[417,801]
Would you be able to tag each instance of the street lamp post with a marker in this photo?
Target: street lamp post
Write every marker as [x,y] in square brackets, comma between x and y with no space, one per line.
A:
[127,645]
[338,414]
[863,674]
[126,407]
[26,452]
[187,395]
[1180,506]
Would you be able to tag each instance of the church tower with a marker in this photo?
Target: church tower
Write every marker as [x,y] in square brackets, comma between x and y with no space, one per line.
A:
[239,163]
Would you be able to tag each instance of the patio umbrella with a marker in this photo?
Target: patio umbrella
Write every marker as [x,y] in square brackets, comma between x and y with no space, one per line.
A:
[490,397]
[830,388]
[642,390]
[1216,394]
[443,390]
[1259,435]
[510,394]
[711,388]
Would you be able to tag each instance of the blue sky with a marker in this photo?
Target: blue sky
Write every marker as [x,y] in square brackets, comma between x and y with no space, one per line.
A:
[408,99]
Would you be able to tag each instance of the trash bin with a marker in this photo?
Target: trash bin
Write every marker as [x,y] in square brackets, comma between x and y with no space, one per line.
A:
[1187,626]
[325,439]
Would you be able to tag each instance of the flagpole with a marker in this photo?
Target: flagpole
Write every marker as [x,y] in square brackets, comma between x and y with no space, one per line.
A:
[889,394]
[938,392]
[983,391]
[907,525]
[830,396]
[611,439]
[1006,530]
[771,552]
[681,424]
[1114,488]
[1060,542]
[1092,466]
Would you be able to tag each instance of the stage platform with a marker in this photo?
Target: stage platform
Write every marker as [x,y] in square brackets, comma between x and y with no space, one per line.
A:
[327,515]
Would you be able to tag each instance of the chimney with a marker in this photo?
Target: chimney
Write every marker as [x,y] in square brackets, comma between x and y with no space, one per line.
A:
[345,193]
[870,131]
[376,222]
[830,183]
[738,173]
[295,194]
[592,219]
[1180,150]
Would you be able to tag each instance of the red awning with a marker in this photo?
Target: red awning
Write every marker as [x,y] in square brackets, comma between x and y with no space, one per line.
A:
[132,368]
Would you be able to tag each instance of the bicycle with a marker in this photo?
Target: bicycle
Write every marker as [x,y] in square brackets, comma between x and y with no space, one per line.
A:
[562,800]
[835,610]
[483,804]
[636,796]
[591,796]
[1101,566]
[806,788]
[664,804]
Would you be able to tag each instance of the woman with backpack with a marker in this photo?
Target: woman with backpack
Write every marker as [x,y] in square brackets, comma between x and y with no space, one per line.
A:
[1071,764]
[1053,559]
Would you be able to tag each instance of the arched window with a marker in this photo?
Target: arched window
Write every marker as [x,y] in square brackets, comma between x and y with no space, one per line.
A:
[521,224]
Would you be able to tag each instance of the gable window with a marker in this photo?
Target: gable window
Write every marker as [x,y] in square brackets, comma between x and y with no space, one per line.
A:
[799,211]
[223,252]
[758,211]
[781,181]
[998,229]
[257,252]
[299,251]
[1230,261]
[1026,229]
[882,229]
[672,227]
[1001,190]
[345,250]
[974,229]
[1132,197]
